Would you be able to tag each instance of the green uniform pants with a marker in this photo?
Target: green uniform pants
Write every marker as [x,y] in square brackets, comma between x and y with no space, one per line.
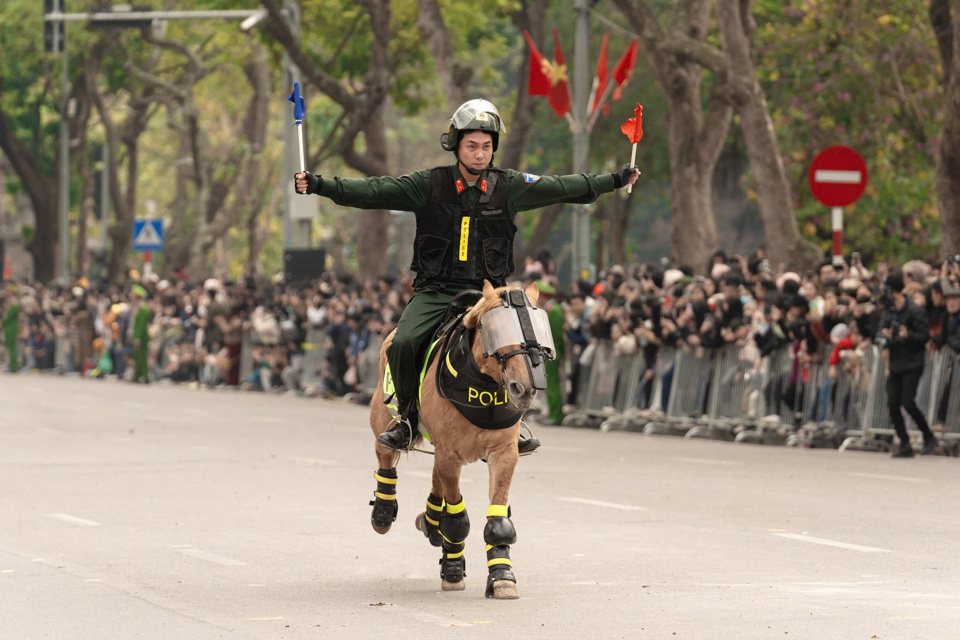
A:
[13,358]
[141,370]
[554,392]
[417,326]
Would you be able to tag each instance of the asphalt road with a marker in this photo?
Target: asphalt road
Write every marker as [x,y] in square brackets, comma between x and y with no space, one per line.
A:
[164,512]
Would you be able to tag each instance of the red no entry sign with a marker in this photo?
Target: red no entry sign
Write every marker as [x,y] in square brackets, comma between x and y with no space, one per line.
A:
[838,176]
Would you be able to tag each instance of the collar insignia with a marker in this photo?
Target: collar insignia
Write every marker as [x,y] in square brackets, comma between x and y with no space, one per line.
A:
[483,185]
[460,186]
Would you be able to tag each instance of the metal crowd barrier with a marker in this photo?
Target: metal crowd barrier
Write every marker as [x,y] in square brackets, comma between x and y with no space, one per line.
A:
[723,393]
[316,367]
[937,396]
[609,386]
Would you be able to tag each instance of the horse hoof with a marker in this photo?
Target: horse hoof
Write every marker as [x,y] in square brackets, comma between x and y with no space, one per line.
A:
[454,586]
[381,529]
[505,590]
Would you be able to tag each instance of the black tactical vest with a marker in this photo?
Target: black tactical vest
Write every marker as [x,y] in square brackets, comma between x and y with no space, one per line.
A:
[463,243]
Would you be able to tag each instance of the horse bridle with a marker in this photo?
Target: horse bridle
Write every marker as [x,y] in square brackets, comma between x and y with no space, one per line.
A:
[518,322]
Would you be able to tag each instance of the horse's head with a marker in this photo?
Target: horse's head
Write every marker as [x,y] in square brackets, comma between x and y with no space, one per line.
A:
[513,340]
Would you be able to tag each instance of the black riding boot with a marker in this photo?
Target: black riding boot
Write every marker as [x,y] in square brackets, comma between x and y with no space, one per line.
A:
[400,435]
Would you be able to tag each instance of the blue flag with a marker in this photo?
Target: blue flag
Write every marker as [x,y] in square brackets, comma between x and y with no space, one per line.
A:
[299,109]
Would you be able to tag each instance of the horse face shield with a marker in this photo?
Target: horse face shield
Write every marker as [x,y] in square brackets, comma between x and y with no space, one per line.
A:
[518,322]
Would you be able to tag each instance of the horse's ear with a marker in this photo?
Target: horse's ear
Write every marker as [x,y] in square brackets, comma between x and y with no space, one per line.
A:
[533,293]
[488,290]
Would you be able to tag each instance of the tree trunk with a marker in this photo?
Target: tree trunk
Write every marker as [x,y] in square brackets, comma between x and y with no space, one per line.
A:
[531,17]
[454,75]
[782,238]
[948,158]
[694,141]
[42,189]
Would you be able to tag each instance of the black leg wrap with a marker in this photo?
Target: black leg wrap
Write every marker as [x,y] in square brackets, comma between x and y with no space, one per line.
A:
[384,502]
[454,528]
[499,533]
[429,520]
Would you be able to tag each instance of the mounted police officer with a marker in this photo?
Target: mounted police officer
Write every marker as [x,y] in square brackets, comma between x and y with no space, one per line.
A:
[465,231]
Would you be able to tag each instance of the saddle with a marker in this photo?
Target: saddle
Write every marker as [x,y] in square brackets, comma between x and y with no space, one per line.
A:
[478,397]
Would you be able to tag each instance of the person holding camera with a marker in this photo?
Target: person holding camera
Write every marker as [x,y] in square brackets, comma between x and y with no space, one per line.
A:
[904,331]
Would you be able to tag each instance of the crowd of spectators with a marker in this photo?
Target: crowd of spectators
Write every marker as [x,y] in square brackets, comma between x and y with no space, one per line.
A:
[198,332]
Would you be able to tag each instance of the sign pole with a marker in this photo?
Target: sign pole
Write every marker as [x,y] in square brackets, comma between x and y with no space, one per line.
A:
[837,178]
[837,218]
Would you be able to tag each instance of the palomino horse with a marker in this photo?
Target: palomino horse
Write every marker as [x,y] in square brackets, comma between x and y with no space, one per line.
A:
[457,441]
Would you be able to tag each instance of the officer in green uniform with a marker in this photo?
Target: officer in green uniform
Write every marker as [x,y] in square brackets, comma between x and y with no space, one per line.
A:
[552,367]
[11,331]
[465,231]
[141,336]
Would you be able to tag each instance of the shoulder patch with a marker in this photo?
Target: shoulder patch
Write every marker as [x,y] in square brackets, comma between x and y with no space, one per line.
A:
[530,178]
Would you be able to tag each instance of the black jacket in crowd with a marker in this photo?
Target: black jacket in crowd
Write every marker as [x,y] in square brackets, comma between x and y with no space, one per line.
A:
[950,334]
[906,354]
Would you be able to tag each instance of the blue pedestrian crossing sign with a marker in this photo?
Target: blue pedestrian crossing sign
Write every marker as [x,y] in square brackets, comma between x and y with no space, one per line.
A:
[148,234]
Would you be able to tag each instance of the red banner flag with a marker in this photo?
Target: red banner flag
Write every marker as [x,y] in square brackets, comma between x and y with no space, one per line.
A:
[623,68]
[600,80]
[559,89]
[548,78]
[538,84]
[633,128]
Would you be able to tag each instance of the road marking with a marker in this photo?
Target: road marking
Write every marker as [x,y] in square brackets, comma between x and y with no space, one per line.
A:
[80,522]
[6,570]
[600,503]
[832,543]
[727,463]
[93,580]
[211,557]
[310,461]
[422,616]
[881,476]
[837,177]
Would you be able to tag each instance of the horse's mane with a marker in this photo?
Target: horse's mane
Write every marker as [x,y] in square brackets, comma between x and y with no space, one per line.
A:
[472,318]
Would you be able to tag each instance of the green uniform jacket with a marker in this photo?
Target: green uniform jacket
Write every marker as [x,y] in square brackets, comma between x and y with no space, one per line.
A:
[525,191]
[141,333]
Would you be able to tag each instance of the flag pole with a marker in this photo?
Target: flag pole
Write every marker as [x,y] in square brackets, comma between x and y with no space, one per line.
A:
[633,160]
[303,165]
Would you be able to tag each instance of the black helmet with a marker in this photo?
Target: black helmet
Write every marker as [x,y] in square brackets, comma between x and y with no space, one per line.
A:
[473,115]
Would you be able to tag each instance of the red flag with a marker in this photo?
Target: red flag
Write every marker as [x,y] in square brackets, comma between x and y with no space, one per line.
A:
[538,84]
[624,67]
[549,78]
[633,128]
[559,89]
[600,80]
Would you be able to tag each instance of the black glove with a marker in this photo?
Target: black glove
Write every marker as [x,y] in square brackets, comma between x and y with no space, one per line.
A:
[620,178]
[313,183]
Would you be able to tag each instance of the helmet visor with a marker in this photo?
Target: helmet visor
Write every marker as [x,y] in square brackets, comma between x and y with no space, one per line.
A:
[480,111]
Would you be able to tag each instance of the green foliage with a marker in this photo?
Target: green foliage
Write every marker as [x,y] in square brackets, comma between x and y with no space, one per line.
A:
[864,75]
